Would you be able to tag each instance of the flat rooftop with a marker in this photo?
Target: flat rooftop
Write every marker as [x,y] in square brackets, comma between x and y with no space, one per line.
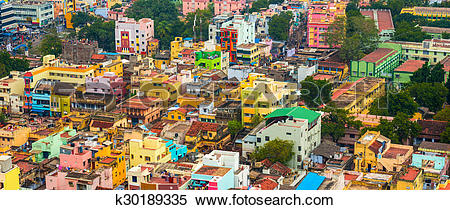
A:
[212,171]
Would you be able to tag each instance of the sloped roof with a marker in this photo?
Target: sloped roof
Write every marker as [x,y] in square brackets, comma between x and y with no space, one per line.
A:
[296,112]
[312,181]
[326,149]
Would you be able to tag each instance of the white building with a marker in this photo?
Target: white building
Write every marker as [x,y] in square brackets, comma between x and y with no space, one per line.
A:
[229,160]
[132,36]
[299,125]
[28,13]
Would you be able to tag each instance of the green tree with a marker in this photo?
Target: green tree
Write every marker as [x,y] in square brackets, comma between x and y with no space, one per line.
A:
[392,104]
[234,127]
[258,4]
[431,95]
[356,35]
[422,74]
[446,35]
[8,64]
[276,151]
[399,130]
[256,119]
[443,115]
[157,10]
[3,118]
[81,19]
[315,92]
[102,32]
[447,85]
[445,136]
[279,26]
[202,20]
[115,6]
[437,73]
[50,45]
[336,121]
[407,31]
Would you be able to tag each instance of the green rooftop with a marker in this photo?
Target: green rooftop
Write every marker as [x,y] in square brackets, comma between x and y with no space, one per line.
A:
[295,112]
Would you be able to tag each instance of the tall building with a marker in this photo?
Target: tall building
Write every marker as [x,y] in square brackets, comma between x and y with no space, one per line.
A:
[320,17]
[193,5]
[228,6]
[33,13]
[236,32]
[132,36]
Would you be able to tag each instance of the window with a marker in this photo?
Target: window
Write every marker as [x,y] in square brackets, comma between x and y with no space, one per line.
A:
[288,134]
[267,138]
[132,156]
[71,184]
[147,158]
[299,148]
[258,139]
[134,178]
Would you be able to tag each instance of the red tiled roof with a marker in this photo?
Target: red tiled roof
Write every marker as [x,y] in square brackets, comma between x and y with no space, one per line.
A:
[267,163]
[266,184]
[350,176]
[25,166]
[187,51]
[282,169]
[108,160]
[98,57]
[378,55]
[392,152]
[384,18]
[410,66]
[410,175]
[198,126]
[101,124]
[375,146]
[65,135]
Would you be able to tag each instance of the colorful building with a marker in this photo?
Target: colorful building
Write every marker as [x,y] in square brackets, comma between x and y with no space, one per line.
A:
[190,6]
[375,153]
[299,125]
[11,85]
[236,32]
[410,179]
[248,54]
[14,135]
[114,159]
[161,86]
[75,157]
[264,96]
[228,6]
[212,178]
[379,63]
[320,17]
[334,65]
[357,97]
[403,73]
[142,110]
[50,147]
[432,51]
[9,174]
[108,84]
[204,134]
[209,60]
[132,36]
[430,13]
[148,150]
[60,99]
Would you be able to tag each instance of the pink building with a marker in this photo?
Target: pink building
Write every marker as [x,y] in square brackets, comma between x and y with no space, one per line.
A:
[188,55]
[75,157]
[228,6]
[109,84]
[192,5]
[71,180]
[132,36]
[320,17]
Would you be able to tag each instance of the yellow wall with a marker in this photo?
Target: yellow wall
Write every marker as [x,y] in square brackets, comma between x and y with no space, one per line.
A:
[118,169]
[116,66]
[176,115]
[417,184]
[151,149]
[11,179]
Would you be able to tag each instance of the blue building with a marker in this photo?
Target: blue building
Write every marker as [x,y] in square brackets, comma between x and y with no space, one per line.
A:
[212,178]
[311,181]
[41,98]
[177,151]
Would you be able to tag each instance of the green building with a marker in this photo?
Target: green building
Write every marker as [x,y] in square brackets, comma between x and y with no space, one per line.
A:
[49,147]
[403,73]
[209,60]
[380,63]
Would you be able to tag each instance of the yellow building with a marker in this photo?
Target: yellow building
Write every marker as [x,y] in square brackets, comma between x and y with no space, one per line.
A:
[10,85]
[204,134]
[14,135]
[357,97]
[150,149]
[248,54]
[9,174]
[161,86]
[410,179]
[115,66]
[55,70]
[249,81]
[430,13]
[375,153]
[186,100]
[76,120]
[264,96]
[177,114]
[60,99]
[115,159]
[179,44]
